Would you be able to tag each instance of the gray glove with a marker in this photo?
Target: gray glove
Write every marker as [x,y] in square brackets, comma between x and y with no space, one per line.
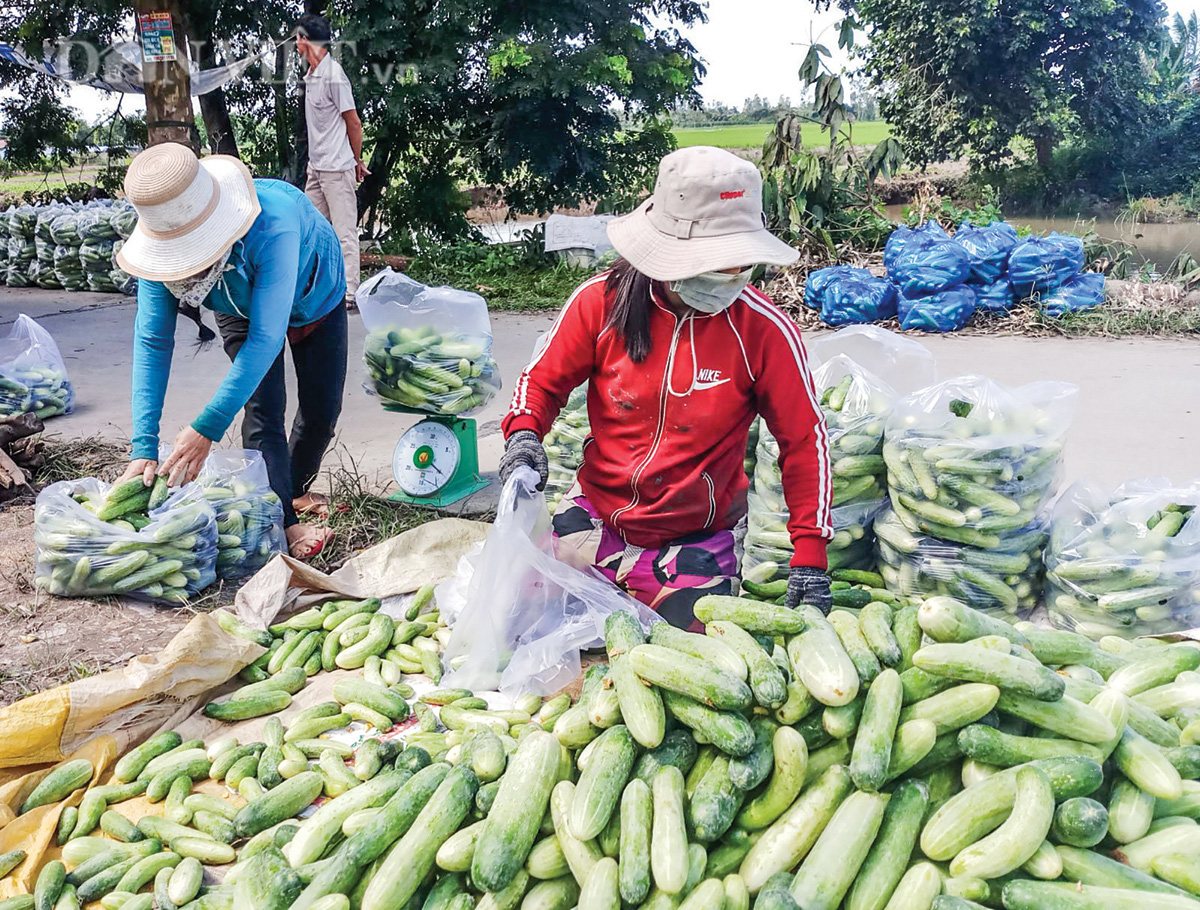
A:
[807,585]
[524,448]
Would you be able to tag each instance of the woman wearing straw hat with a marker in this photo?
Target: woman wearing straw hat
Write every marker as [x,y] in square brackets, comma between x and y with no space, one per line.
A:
[260,255]
[680,353]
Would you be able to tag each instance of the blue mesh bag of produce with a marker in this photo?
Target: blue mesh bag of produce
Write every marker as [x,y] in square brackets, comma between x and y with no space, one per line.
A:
[989,247]
[903,236]
[1083,292]
[852,301]
[945,311]
[930,265]
[816,282]
[996,297]
[1042,263]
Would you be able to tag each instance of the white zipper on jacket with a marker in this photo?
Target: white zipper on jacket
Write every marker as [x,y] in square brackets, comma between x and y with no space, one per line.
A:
[712,499]
[662,416]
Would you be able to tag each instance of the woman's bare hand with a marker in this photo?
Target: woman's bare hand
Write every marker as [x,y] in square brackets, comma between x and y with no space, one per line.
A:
[188,454]
[143,467]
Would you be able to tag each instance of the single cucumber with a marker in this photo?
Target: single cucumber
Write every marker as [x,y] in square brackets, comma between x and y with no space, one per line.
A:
[689,676]
[636,815]
[62,780]
[790,764]
[834,861]
[889,855]
[872,753]
[984,665]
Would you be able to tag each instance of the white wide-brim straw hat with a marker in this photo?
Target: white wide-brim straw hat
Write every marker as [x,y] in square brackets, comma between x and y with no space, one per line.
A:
[705,215]
[190,211]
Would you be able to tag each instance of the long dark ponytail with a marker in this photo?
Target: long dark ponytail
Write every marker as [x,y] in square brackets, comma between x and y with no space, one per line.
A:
[628,293]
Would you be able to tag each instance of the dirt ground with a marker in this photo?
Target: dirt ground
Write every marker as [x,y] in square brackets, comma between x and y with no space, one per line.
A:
[48,640]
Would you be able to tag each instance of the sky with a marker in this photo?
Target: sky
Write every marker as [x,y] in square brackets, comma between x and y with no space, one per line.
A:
[750,47]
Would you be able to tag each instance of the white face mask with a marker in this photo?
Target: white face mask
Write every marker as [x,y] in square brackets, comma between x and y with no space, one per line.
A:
[712,292]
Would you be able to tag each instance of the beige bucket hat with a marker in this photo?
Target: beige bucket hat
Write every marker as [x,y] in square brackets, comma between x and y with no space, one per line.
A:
[190,211]
[705,215]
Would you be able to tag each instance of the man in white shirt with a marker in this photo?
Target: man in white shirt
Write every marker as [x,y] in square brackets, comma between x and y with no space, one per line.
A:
[335,135]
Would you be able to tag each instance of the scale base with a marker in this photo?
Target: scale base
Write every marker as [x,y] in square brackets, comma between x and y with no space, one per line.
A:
[465,480]
[447,495]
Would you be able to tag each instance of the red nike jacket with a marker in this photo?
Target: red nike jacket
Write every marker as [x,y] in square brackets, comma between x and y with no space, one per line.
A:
[668,435]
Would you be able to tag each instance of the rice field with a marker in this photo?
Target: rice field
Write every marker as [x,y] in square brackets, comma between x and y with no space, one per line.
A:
[752,135]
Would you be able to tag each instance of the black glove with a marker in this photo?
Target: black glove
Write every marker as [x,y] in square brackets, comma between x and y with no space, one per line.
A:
[524,448]
[807,585]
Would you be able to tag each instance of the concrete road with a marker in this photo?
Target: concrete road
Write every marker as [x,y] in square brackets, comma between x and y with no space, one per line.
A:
[1136,413]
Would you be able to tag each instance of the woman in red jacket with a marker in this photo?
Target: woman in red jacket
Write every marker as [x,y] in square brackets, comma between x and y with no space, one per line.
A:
[680,354]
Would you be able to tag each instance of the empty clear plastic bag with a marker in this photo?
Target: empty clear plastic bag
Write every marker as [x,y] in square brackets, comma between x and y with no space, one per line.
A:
[33,377]
[164,554]
[1125,563]
[249,513]
[521,617]
[429,349]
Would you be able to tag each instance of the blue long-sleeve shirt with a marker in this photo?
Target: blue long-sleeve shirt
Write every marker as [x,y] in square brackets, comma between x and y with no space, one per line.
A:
[267,281]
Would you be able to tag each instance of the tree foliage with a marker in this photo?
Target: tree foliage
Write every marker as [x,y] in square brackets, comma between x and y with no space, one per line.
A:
[970,76]
[554,101]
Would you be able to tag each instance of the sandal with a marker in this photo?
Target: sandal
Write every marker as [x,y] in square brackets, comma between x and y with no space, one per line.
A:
[315,504]
[310,544]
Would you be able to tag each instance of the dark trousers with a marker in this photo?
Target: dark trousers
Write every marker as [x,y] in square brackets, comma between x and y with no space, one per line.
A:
[320,360]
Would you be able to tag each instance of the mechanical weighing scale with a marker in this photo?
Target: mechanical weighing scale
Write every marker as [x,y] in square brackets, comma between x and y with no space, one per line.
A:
[436,461]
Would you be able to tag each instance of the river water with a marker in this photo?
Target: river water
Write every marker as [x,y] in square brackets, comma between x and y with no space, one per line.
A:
[1156,243]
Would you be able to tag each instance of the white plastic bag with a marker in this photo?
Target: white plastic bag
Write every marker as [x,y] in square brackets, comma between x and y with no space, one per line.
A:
[856,402]
[427,348]
[1125,563]
[33,376]
[249,513]
[525,615]
[971,467]
[564,446]
[170,558]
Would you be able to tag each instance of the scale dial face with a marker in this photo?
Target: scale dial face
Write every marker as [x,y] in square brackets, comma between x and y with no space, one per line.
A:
[425,459]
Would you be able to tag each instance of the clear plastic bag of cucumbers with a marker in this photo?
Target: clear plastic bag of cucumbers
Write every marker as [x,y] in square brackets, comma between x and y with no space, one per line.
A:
[249,512]
[33,377]
[149,543]
[429,349]
[122,281]
[564,446]
[751,458]
[1004,580]
[1126,563]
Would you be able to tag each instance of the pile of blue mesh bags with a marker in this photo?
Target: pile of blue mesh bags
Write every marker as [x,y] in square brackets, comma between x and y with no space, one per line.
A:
[935,282]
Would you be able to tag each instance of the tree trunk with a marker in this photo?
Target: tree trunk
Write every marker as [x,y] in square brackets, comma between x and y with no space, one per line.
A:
[1043,146]
[213,108]
[169,114]
[283,141]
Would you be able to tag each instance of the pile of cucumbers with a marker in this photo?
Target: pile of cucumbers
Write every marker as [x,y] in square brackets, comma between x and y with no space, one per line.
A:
[421,367]
[970,468]
[1128,567]
[564,445]
[338,635]
[249,521]
[150,543]
[855,409]
[931,758]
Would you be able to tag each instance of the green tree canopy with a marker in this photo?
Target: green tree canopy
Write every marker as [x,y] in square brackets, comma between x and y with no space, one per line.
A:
[969,76]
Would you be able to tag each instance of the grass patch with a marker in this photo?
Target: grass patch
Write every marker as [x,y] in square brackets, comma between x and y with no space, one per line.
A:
[508,277]
[70,459]
[361,516]
[752,135]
